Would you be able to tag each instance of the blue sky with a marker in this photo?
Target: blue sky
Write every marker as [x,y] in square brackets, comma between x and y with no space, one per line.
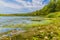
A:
[21,6]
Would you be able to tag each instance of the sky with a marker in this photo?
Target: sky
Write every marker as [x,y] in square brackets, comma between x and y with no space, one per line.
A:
[21,6]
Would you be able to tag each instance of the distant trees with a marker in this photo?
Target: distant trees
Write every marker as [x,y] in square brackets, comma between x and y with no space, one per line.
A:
[53,6]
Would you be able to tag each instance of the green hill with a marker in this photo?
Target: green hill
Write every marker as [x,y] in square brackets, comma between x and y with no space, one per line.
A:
[53,6]
[54,15]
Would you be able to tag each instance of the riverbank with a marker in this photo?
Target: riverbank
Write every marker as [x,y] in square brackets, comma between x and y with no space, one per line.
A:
[48,30]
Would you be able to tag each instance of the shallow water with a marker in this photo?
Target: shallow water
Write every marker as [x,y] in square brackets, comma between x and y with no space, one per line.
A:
[2,30]
[13,21]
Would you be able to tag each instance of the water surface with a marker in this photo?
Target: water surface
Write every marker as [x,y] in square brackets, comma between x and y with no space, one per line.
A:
[8,20]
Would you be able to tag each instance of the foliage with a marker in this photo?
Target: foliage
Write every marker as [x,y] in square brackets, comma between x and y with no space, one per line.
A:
[52,6]
[54,15]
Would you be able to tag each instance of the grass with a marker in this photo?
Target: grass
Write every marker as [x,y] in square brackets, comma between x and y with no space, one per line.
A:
[48,30]
[54,15]
[43,32]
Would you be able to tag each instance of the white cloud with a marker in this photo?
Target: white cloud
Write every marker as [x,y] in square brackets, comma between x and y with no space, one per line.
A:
[11,5]
[35,4]
[24,3]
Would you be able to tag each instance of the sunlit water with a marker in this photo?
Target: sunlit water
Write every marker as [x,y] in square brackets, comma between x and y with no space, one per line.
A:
[13,20]
[2,30]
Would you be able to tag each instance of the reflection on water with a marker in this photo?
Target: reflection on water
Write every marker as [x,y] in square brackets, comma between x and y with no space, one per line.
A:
[13,21]
[8,29]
